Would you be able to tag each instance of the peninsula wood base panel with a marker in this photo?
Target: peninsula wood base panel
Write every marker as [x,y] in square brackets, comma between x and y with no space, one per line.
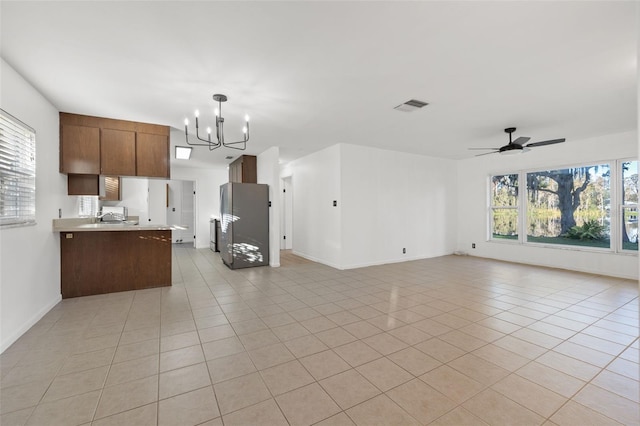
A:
[108,262]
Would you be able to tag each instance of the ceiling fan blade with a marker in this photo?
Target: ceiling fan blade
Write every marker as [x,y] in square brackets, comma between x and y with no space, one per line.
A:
[543,143]
[521,140]
[481,148]
[486,153]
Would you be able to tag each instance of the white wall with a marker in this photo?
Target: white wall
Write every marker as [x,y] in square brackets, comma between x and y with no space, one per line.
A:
[393,200]
[286,214]
[133,196]
[30,256]
[317,224]
[269,173]
[473,213]
[386,201]
[156,193]
[180,210]
[207,187]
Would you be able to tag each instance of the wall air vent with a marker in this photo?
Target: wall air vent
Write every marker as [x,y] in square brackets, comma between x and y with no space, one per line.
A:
[411,105]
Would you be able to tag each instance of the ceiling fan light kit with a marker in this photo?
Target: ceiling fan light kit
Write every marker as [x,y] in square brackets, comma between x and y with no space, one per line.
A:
[518,146]
[219,130]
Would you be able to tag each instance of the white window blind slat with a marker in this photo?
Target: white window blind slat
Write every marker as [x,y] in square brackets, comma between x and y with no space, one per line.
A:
[88,205]
[17,172]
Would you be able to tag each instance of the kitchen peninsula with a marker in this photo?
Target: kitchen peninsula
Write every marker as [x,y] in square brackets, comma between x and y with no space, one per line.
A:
[97,258]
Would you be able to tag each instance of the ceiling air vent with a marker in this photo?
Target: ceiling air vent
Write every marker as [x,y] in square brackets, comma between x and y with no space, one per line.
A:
[411,105]
[228,157]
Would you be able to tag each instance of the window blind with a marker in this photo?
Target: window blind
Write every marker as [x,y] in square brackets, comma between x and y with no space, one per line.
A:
[17,172]
[87,205]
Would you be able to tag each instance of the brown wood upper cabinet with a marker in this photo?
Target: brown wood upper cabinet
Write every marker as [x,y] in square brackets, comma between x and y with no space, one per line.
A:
[117,152]
[152,157]
[79,149]
[104,146]
[244,170]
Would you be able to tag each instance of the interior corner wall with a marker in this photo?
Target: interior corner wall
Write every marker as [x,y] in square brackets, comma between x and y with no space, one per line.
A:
[317,228]
[268,169]
[393,201]
[30,256]
[207,187]
[133,196]
[472,216]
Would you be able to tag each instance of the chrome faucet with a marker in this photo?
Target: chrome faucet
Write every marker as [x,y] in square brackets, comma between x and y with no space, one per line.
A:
[100,217]
[110,216]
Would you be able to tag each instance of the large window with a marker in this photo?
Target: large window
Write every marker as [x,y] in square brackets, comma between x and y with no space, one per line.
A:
[629,207]
[593,206]
[504,206]
[17,172]
[569,206]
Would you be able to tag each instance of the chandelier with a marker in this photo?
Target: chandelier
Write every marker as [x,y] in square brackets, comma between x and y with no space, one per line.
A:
[219,130]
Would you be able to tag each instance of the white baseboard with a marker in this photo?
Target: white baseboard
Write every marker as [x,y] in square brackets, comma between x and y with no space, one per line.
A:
[8,341]
[366,264]
[315,259]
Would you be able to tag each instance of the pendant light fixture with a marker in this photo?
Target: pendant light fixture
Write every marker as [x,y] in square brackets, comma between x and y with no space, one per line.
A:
[242,144]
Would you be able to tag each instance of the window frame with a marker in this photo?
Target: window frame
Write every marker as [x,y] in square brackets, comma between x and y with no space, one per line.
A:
[615,215]
[492,208]
[621,206]
[17,169]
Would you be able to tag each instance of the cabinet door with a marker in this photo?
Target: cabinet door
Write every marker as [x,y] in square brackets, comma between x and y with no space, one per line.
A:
[82,184]
[80,149]
[249,169]
[243,170]
[152,155]
[117,152]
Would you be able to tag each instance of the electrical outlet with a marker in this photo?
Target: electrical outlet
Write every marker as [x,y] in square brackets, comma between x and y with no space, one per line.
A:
[404,250]
[473,245]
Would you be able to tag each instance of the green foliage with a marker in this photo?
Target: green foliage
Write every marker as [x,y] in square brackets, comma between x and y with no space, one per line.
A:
[590,230]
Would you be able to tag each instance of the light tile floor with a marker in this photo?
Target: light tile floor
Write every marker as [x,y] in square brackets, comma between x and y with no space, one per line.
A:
[451,340]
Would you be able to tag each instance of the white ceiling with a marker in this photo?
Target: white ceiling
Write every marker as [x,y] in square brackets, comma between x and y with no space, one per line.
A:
[313,74]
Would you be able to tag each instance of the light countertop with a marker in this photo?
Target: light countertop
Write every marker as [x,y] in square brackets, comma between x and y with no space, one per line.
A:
[89,224]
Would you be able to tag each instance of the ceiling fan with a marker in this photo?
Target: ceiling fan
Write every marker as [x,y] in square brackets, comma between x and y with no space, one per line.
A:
[518,146]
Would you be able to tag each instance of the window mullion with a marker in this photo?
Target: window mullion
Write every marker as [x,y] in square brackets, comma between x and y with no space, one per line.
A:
[522,207]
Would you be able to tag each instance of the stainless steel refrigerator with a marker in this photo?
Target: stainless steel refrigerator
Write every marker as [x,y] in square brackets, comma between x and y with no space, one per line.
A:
[244,225]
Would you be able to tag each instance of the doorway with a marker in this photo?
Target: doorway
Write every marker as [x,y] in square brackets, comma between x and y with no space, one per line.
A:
[180,211]
[286,216]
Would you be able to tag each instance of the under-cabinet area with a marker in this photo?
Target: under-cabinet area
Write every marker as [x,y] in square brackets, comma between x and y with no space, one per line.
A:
[98,259]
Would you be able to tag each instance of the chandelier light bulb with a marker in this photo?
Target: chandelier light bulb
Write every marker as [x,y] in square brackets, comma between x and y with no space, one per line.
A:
[246,118]
[244,130]
[217,111]
[186,121]
[209,130]
[197,114]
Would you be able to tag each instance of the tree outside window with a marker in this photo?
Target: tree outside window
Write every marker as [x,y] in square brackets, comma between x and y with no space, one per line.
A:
[504,206]
[570,206]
